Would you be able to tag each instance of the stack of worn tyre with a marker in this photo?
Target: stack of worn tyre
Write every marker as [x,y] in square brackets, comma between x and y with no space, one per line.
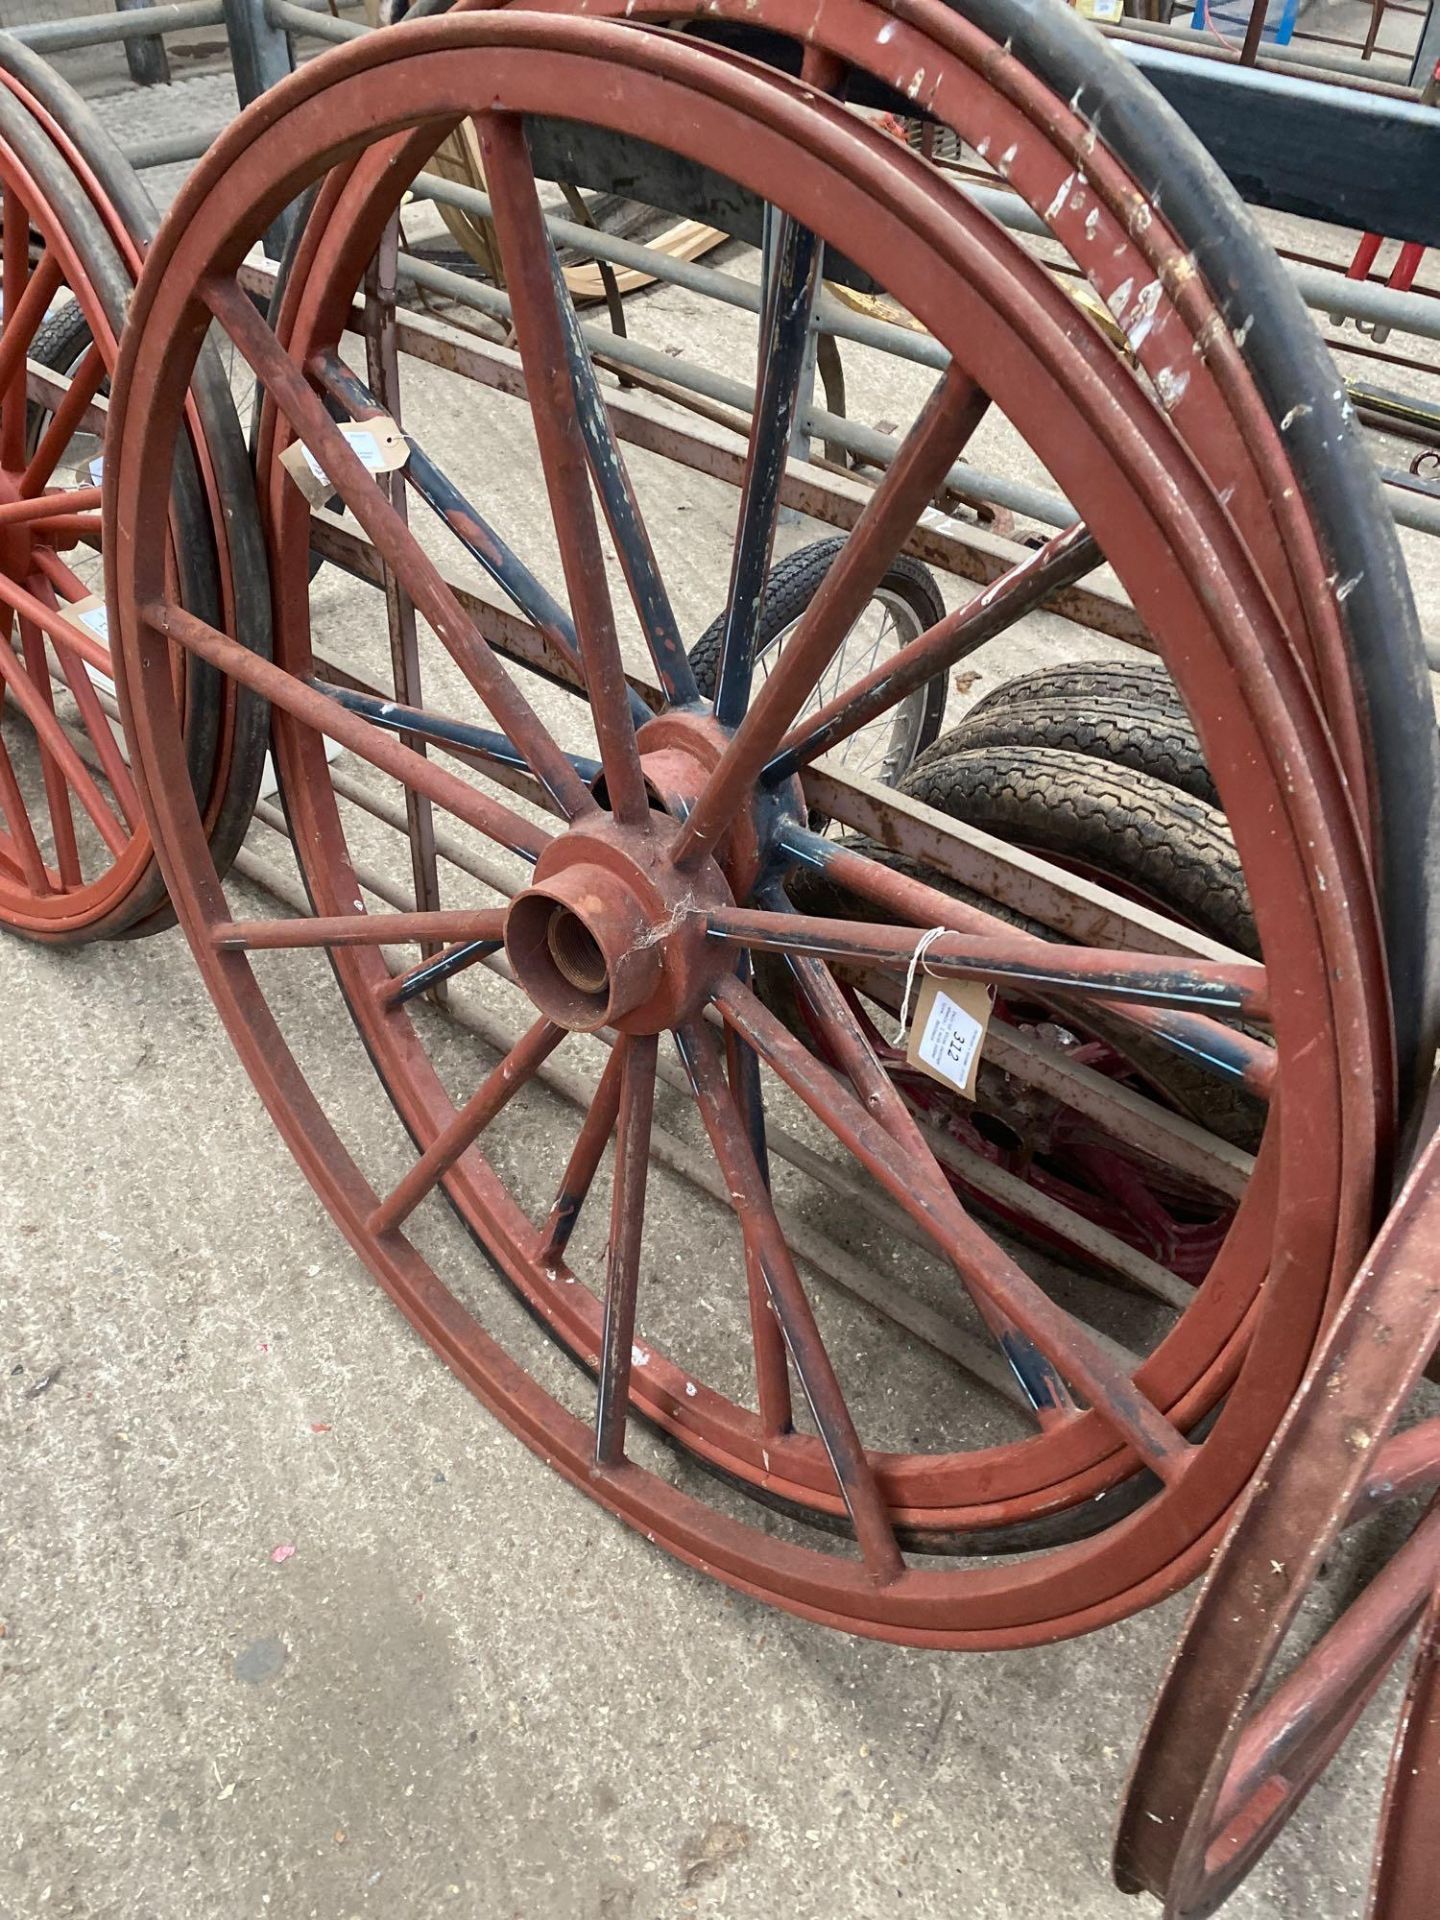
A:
[1196,882]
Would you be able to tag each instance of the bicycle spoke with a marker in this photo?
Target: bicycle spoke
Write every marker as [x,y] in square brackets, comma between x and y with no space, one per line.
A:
[540,332]
[515,1071]
[1063,560]
[930,448]
[1075,1352]
[700,1055]
[302,407]
[627,1232]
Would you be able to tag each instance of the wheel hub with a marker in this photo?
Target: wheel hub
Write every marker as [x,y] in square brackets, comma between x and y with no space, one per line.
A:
[609,934]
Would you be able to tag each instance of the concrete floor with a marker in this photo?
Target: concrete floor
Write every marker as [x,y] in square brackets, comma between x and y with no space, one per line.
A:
[291,1627]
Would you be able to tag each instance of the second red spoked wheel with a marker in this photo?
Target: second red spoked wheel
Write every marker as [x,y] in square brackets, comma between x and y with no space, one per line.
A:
[647,836]
[1229,1754]
[76,862]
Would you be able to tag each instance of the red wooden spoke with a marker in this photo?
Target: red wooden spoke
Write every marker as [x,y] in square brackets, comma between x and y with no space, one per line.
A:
[26,852]
[102,735]
[57,790]
[24,310]
[515,1071]
[316,710]
[926,455]
[64,423]
[583,1164]
[1407,1860]
[1331,1686]
[1105,972]
[627,1233]
[14,272]
[700,1052]
[1076,1353]
[67,504]
[302,407]
[1064,559]
[767,1338]
[359,929]
[54,741]
[1046,1392]
[1227,1049]
[541,336]
[52,619]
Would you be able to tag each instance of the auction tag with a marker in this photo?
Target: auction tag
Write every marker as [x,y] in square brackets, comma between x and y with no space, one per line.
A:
[377,444]
[948,1031]
[93,615]
[1107,10]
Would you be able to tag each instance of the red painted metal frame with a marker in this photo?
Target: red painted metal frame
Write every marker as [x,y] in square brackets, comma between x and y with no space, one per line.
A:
[1225,1762]
[1151,504]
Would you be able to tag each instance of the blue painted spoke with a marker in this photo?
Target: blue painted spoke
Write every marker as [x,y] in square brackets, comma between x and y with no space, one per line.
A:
[622,510]
[784,330]
[471,529]
[484,742]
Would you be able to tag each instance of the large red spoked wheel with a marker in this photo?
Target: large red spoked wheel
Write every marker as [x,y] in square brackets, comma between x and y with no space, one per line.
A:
[657,869]
[1229,1755]
[76,862]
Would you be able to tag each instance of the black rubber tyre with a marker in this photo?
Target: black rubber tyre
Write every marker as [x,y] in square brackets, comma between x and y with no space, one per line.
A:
[1129,714]
[62,340]
[790,588]
[1114,823]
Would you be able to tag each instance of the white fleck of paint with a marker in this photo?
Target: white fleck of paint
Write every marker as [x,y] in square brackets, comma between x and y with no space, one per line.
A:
[886,33]
[1347,587]
[690,1388]
[1092,222]
[639,1357]
[1295,413]
[912,91]
[1242,332]
[1007,157]
[1171,387]
[1119,299]
[1058,202]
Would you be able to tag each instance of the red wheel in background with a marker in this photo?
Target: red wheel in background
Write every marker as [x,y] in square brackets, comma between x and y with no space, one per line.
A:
[655,865]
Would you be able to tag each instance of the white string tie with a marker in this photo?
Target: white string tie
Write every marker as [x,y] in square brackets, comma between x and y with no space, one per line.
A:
[917,959]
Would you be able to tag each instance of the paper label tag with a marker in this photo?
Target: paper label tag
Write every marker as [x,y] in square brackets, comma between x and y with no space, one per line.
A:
[948,1031]
[93,615]
[377,444]
[1107,10]
[89,472]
